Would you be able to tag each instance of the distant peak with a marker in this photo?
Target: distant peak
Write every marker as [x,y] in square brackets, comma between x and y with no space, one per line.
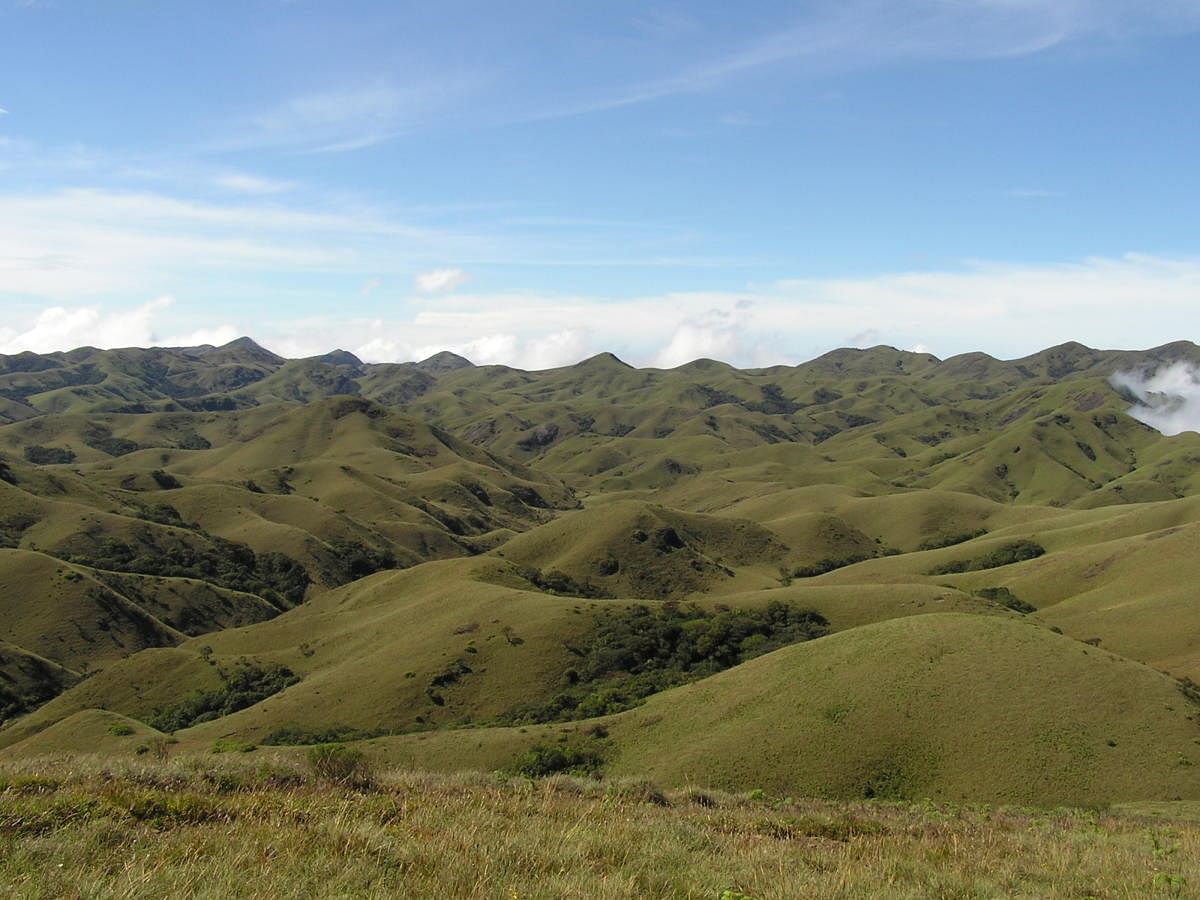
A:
[445,361]
[243,343]
[604,359]
[247,348]
[703,364]
[340,358]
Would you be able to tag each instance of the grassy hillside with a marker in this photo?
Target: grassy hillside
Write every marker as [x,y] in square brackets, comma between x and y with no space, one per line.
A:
[833,579]
[190,827]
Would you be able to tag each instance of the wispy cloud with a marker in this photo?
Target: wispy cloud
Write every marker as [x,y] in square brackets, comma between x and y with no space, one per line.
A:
[343,120]
[251,184]
[850,34]
[72,244]
[438,281]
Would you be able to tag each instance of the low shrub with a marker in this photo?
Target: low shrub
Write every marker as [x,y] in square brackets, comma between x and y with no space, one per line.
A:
[938,543]
[165,480]
[101,438]
[829,564]
[350,561]
[299,735]
[562,584]
[232,745]
[1007,599]
[542,760]
[340,764]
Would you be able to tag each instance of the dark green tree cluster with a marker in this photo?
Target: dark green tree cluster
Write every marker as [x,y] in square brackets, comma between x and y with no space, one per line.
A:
[49,456]
[828,564]
[98,437]
[350,562]
[240,688]
[273,576]
[1006,555]
[633,652]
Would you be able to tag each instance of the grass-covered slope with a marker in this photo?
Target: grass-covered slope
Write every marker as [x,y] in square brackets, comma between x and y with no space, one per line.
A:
[630,548]
[198,826]
[428,545]
[947,706]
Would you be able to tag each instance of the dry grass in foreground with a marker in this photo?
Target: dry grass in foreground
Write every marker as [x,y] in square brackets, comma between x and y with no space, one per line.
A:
[216,828]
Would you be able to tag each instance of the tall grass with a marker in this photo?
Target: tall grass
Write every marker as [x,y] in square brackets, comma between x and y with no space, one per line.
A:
[247,829]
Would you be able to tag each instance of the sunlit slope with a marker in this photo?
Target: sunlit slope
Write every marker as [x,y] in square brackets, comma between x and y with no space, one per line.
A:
[435,645]
[134,545]
[947,706]
[629,548]
[421,544]
[83,619]
[135,686]
[440,644]
[1124,574]
[92,731]
[1044,429]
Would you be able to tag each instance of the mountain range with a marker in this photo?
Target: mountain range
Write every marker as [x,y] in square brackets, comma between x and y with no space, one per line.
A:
[874,574]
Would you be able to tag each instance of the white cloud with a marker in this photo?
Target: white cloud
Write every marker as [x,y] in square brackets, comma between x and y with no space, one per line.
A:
[538,352]
[218,335]
[1007,311]
[3,111]
[438,280]
[59,328]
[1167,400]
[717,334]
[562,348]
[868,337]
[251,184]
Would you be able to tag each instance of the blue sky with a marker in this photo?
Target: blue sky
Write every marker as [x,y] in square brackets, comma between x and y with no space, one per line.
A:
[756,182]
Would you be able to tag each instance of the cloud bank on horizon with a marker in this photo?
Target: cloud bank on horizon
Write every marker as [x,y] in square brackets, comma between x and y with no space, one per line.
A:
[1007,311]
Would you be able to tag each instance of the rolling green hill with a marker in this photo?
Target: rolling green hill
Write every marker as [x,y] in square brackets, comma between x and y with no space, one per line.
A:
[992,561]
